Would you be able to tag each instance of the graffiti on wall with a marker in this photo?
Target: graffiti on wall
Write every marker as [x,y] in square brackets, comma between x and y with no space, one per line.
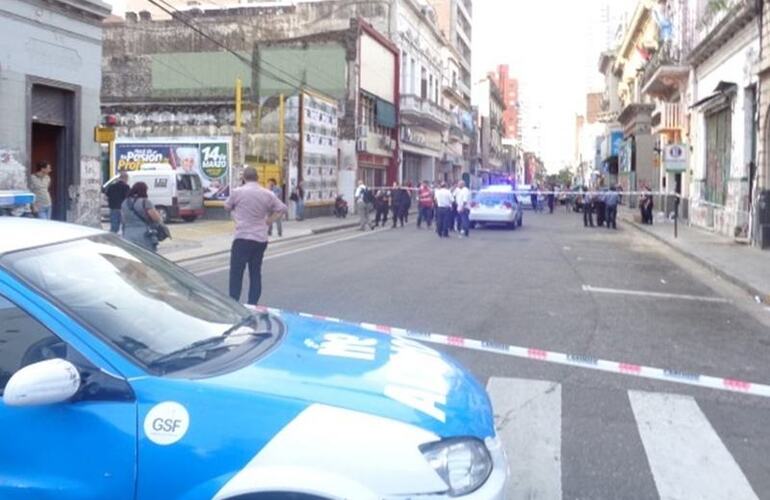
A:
[86,197]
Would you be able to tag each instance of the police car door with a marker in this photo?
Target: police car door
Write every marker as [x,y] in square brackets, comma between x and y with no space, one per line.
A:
[81,448]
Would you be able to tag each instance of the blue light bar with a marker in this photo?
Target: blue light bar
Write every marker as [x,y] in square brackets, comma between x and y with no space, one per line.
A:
[16,198]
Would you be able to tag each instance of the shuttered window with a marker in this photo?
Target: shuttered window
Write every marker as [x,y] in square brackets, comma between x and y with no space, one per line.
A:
[718,146]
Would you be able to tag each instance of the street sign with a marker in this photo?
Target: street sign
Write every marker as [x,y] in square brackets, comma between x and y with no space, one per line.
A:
[104,134]
[675,157]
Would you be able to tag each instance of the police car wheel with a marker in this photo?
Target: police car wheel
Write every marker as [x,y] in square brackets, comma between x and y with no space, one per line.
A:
[473,224]
[277,495]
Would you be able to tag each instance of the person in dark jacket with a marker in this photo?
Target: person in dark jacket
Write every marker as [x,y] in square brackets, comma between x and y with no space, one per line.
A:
[398,203]
[381,207]
[116,193]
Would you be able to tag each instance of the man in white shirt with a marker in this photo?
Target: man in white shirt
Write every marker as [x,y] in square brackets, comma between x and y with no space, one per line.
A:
[463,200]
[444,210]
[364,205]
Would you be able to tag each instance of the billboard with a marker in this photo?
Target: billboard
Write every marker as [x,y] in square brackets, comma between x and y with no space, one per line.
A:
[319,161]
[210,158]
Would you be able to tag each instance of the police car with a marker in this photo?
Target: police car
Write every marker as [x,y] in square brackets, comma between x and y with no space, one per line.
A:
[124,376]
[497,204]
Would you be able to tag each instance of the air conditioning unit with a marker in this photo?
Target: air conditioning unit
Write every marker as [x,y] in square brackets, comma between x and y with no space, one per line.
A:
[362,145]
[362,131]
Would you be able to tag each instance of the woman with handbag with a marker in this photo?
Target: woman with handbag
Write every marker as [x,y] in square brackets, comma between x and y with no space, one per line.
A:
[140,219]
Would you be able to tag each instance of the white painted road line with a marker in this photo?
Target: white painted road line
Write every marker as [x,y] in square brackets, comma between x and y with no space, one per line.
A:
[528,421]
[658,295]
[220,269]
[687,458]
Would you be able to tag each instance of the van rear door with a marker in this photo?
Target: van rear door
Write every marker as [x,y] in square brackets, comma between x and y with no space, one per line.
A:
[189,193]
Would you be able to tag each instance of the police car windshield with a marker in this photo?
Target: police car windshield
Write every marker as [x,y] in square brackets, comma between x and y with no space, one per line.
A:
[140,303]
[493,198]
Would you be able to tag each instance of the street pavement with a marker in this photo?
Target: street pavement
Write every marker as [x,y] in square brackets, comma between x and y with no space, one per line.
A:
[554,285]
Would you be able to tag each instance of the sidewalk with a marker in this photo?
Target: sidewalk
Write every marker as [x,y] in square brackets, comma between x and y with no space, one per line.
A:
[210,237]
[743,265]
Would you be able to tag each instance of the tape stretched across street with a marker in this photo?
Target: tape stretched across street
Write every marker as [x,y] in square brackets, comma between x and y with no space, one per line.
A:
[576,360]
[555,193]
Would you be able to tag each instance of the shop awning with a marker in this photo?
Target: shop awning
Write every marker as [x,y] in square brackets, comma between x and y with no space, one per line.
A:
[385,114]
[723,92]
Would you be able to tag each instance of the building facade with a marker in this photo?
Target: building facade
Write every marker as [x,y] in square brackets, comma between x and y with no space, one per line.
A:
[723,91]
[490,104]
[455,20]
[509,88]
[49,100]
[424,119]
[154,86]
[760,187]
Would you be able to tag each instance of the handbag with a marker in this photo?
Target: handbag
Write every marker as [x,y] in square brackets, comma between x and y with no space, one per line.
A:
[156,231]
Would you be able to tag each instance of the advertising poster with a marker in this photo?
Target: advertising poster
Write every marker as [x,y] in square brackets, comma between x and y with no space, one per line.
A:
[319,149]
[209,158]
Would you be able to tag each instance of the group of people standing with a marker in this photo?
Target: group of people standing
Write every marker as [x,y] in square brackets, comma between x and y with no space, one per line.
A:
[604,204]
[449,208]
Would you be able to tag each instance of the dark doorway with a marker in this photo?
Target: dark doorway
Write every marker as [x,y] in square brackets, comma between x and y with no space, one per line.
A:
[53,139]
[46,147]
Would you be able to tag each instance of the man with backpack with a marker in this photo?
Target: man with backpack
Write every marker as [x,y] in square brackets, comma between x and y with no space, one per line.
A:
[364,200]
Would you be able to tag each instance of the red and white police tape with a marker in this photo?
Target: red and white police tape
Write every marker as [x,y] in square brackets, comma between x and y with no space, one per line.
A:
[575,360]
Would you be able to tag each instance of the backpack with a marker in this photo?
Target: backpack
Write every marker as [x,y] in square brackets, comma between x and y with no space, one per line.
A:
[368,196]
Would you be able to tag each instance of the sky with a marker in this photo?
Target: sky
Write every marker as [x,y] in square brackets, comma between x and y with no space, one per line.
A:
[545,43]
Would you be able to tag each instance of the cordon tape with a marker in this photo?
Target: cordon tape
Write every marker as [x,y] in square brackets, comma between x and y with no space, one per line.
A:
[575,360]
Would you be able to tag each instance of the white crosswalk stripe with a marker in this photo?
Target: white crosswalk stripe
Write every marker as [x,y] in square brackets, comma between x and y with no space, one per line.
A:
[687,458]
[685,455]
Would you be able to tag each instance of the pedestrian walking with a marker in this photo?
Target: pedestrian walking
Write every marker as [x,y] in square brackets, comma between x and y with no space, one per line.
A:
[40,185]
[407,201]
[463,200]
[444,201]
[588,218]
[533,198]
[453,211]
[381,208]
[550,199]
[600,208]
[399,200]
[425,205]
[254,209]
[611,201]
[273,186]
[117,192]
[298,197]
[138,214]
[364,200]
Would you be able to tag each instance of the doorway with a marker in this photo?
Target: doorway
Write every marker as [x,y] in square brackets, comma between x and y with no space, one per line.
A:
[46,147]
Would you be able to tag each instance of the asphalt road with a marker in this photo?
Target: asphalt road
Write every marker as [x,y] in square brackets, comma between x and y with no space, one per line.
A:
[570,432]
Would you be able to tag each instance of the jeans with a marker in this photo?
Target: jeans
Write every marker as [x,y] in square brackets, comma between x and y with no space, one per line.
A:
[425,214]
[243,253]
[363,210]
[612,213]
[443,220]
[588,217]
[299,209]
[115,220]
[44,212]
[464,221]
[280,228]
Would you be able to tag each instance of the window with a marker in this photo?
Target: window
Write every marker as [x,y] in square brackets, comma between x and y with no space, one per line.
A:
[184,182]
[718,145]
[23,341]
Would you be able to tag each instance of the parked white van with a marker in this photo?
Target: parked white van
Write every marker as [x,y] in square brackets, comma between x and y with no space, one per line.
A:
[175,194]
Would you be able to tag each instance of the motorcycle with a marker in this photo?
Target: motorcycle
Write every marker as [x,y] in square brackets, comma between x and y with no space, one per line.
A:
[340,207]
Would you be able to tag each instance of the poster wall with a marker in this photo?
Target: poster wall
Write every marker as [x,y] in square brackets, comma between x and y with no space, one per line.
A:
[210,158]
[319,149]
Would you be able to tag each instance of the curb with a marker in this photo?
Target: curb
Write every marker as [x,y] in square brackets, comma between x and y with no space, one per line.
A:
[311,232]
[764,297]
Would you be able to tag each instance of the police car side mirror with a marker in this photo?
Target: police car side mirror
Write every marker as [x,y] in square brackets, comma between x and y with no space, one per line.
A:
[46,382]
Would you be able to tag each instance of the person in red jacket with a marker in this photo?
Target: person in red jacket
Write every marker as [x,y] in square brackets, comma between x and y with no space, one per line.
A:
[425,205]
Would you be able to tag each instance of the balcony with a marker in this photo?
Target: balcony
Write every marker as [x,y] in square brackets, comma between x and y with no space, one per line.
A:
[718,24]
[419,111]
[667,117]
[665,74]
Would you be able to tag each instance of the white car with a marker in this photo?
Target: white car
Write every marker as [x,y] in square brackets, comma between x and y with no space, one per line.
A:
[496,205]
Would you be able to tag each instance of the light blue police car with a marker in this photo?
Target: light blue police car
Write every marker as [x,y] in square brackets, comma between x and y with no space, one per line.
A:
[123,376]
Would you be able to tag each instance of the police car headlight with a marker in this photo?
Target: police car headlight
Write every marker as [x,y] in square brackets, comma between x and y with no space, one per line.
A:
[463,463]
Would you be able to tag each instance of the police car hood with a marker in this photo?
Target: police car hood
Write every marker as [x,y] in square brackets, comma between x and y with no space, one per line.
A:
[347,366]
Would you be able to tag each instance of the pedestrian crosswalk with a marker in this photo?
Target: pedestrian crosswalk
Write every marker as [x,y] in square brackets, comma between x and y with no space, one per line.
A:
[681,450]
